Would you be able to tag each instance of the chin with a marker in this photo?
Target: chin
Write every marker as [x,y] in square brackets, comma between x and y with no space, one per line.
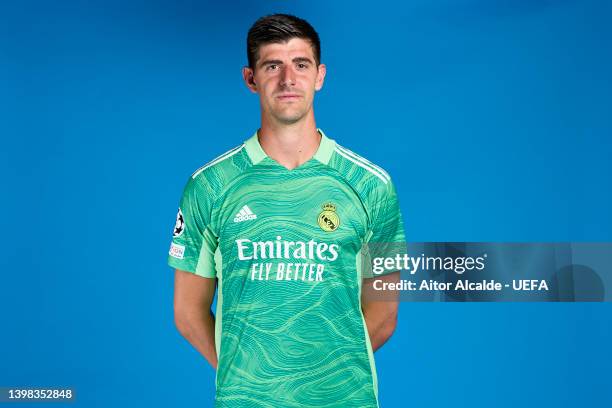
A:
[290,118]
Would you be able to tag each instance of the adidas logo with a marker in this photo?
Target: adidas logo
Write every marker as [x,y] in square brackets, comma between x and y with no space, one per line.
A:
[245,214]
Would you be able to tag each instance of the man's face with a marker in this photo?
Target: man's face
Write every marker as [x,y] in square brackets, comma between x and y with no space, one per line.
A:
[286,78]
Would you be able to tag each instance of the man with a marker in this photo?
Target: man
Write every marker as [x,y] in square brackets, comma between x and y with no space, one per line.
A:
[276,225]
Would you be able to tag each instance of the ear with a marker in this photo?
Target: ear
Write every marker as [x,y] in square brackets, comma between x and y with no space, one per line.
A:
[249,79]
[321,71]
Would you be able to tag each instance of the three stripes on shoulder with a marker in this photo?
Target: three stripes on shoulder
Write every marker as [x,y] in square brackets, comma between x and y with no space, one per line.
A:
[363,163]
[216,160]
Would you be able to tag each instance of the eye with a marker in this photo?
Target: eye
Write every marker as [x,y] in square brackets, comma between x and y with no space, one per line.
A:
[272,67]
[302,65]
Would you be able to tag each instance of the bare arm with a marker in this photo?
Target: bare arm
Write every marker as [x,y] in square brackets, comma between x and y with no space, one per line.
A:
[193,296]
[380,309]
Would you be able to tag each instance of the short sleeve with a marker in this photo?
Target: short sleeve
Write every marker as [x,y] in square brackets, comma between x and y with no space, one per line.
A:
[386,237]
[387,225]
[194,243]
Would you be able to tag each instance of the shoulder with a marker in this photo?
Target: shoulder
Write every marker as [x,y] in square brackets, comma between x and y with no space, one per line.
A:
[221,170]
[362,174]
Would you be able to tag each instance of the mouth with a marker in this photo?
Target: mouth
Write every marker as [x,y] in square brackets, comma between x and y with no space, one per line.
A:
[288,97]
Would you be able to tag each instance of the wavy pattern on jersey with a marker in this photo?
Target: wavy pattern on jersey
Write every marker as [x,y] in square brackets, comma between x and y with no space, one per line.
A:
[380,197]
[297,343]
[290,343]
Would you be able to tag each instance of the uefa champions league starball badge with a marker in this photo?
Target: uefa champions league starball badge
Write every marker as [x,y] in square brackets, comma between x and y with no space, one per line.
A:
[328,219]
[179,227]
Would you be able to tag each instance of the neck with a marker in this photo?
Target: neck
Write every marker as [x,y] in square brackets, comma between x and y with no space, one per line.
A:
[290,145]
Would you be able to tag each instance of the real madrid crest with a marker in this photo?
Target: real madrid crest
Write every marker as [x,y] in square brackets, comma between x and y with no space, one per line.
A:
[328,218]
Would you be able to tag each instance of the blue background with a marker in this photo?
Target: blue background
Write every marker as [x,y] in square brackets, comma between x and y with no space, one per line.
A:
[493,117]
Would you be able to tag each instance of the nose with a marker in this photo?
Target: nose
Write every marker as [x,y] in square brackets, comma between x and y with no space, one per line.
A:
[287,76]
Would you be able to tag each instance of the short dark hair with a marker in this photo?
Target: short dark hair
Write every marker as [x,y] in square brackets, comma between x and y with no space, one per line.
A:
[280,28]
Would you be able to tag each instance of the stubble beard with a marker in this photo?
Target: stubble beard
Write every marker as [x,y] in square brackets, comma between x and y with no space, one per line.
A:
[289,119]
[293,116]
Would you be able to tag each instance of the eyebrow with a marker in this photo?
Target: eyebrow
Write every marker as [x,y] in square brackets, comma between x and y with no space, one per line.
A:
[279,62]
[302,59]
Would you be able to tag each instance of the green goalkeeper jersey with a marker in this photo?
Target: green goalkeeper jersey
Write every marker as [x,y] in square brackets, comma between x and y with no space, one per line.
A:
[285,247]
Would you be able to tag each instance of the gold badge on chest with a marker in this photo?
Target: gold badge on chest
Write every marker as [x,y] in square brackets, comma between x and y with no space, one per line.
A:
[328,218]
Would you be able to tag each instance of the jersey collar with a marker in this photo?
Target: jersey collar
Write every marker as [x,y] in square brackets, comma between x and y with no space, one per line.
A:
[323,153]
